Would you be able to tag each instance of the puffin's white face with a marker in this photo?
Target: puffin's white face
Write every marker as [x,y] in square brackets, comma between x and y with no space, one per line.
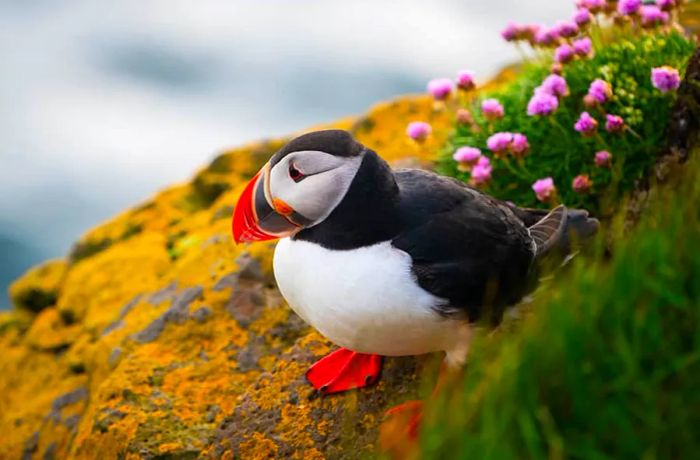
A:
[312,183]
[299,191]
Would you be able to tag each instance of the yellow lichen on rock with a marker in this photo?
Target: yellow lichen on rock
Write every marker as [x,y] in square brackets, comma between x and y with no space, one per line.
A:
[158,337]
[39,287]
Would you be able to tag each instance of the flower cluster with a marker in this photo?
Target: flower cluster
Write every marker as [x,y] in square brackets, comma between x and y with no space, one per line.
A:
[599,92]
[614,123]
[465,80]
[440,88]
[545,100]
[514,143]
[470,159]
[602,159]
[481,172]
[418,131]
[628,7]
[653,16]
[492,109]
[544,189]
[665,79]
[466,157]
[586,124]
[562,36]
[581,183]
[490,124]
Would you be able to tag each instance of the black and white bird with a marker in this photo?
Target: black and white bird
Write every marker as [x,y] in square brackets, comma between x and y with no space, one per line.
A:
[389,262]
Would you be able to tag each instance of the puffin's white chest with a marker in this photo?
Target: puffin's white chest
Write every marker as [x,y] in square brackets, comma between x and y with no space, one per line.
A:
[363,299]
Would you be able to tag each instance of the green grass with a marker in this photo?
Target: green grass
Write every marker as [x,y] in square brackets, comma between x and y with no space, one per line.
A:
[606,366]
[557,150]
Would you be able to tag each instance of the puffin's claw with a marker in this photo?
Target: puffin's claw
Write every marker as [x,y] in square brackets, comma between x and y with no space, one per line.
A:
[399,433]
[344,370]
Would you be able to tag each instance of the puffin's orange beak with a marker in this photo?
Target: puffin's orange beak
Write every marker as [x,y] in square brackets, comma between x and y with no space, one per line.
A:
[258,217]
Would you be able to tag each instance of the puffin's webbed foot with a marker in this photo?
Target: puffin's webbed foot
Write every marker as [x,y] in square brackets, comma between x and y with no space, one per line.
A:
[344,370]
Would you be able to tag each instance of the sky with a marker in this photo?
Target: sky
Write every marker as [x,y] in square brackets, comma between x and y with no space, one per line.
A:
[102,103]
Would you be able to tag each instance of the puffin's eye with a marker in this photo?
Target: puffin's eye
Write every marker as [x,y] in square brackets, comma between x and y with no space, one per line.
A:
[294,173]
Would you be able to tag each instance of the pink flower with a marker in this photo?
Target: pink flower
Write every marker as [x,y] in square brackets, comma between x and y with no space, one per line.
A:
[666,5]
[542,104]
[564,53]
[581,183]
[586,124]
[519,146]
[595,6]
[481,172]
[555,85]
[468,155]
[512,32]
[465,80]
[614,123]
[418,130]
[546,37]
[582,17]
[583,46]
[464,117]
[567,29]
[653,16]
[544,189]
[603,159]
[628,7]
[530,32]
[665,78]
[440,88]
[499,142]
[600,91]
[492,109]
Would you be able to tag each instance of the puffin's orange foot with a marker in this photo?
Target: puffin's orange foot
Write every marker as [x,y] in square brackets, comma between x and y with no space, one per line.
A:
[344,370]
[407,417]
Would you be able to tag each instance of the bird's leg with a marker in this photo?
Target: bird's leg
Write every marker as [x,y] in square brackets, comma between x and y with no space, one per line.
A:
[410,414]
[406,417]
[344,370]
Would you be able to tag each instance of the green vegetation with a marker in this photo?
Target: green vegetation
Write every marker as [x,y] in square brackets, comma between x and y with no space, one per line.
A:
[608,365]
[559,151]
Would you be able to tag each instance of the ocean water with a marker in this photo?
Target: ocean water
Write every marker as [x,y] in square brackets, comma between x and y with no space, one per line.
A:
[102,103]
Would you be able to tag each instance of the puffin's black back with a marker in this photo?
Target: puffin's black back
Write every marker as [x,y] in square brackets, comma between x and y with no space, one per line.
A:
[465,246]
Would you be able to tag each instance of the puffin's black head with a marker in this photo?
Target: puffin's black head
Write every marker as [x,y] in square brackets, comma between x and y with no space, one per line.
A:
[299,187]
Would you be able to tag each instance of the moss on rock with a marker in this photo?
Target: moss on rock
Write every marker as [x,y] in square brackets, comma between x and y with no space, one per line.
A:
[39,287]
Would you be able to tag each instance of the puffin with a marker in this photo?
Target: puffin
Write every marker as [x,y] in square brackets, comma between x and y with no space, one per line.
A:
[387,262]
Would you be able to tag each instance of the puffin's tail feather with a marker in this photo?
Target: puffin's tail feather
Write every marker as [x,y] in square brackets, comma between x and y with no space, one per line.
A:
[579,225]
[549,230]
[560,228]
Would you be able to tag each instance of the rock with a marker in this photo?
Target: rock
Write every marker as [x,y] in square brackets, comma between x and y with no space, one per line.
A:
[50,452]
[161,295]
[64,400]
[114,356]
[201,314]
[30,446]
[177,313]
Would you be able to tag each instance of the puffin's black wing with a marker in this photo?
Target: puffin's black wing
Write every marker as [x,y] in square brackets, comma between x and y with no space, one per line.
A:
[466,247]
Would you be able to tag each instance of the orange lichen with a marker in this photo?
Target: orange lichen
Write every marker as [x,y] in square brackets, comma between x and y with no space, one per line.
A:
[257,446]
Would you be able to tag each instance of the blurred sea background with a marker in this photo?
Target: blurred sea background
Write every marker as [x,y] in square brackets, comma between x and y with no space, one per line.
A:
[103,102]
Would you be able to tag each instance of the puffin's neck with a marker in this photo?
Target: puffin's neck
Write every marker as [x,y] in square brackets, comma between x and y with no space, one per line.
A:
[368,214]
